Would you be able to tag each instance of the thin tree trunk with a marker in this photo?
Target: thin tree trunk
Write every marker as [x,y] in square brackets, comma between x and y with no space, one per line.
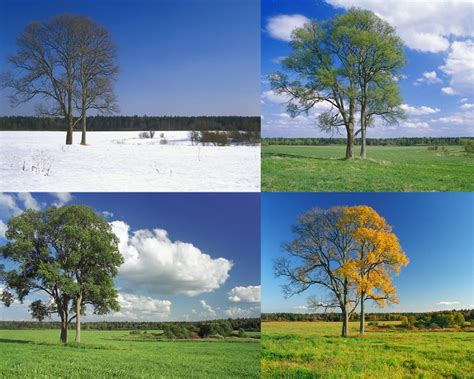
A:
[362,143]
[362,315]
[78,319]
[69,133]
[83,138]
[350,142]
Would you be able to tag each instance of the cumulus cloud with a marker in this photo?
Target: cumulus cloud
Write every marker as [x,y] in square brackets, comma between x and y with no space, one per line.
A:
[418,111]
[236,312]
[155,264]
[415,125]
[28,201]
[428,77]
[207,308]
[467,106]
[133,307]
[8,205]
[62,198]
[281,27]
[459,65]
[449,91]
[423,25]
[275,98]
[250,294]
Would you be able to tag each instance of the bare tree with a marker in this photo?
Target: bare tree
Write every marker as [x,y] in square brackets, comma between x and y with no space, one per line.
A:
[96,73]
[48,64]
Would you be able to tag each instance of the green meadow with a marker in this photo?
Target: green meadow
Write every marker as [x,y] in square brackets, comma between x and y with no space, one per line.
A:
[387,169]
[105,354]
[316,350]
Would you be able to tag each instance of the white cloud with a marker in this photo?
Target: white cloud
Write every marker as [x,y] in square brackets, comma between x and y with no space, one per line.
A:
[415,125]
[250,294]
[281,27]
[8,205]
[133,307]
[465,118]
[107,214]
[63,198]
[449,91]
[448,303]
[423,25]
[236,312]
[459,65]
[3,229]
[428,77]
[274,97]
[301,307]
[155,264]
[28,201]
[418,111]
[207,308]
[467,106]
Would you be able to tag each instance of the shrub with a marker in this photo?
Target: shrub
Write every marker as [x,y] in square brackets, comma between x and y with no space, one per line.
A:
[241,332]
[434,326]
[145,135]
[213,138]
[469,146]
[163,141]
[133,332]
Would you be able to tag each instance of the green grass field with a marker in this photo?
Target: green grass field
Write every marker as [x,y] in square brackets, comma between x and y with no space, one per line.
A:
[316,350]
[387,169]
[103,354]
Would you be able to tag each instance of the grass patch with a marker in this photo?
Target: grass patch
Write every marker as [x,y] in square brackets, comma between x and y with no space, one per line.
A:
[315,349]
[103,354]
[387,169]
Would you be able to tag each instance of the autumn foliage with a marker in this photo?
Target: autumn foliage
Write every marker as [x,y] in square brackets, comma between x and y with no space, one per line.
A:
[351,252]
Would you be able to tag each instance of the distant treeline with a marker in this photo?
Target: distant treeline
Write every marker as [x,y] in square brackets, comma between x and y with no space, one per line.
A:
[135,123]
[467,313]
[248,324]
[402,141]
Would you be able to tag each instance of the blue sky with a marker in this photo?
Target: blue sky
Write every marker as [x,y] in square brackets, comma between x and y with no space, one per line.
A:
[435,231]
[164,277]
[177,57]
[438,83]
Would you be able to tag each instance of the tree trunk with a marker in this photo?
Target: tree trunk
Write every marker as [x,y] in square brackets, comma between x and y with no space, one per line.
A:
[83,138]
[362,316]
[69,133]
[64,326]
[345,324]
[350,142]
[78,320]
[362,142]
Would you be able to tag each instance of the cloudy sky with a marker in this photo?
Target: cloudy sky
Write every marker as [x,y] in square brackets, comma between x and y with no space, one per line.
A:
[176,57]
[187,256]
[438,83]
[434,230]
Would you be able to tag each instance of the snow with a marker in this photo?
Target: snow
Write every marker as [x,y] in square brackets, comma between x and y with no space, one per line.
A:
[120,161]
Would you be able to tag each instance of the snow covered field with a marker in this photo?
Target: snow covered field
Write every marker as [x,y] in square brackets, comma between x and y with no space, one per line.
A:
[120,161]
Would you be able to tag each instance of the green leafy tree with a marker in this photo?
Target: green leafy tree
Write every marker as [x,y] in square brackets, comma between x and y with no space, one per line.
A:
[68,253]
[352,63]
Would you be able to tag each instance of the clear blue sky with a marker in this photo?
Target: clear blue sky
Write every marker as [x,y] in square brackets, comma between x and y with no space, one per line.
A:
[438,83]
[223,226]
[435,231]
[177,57]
